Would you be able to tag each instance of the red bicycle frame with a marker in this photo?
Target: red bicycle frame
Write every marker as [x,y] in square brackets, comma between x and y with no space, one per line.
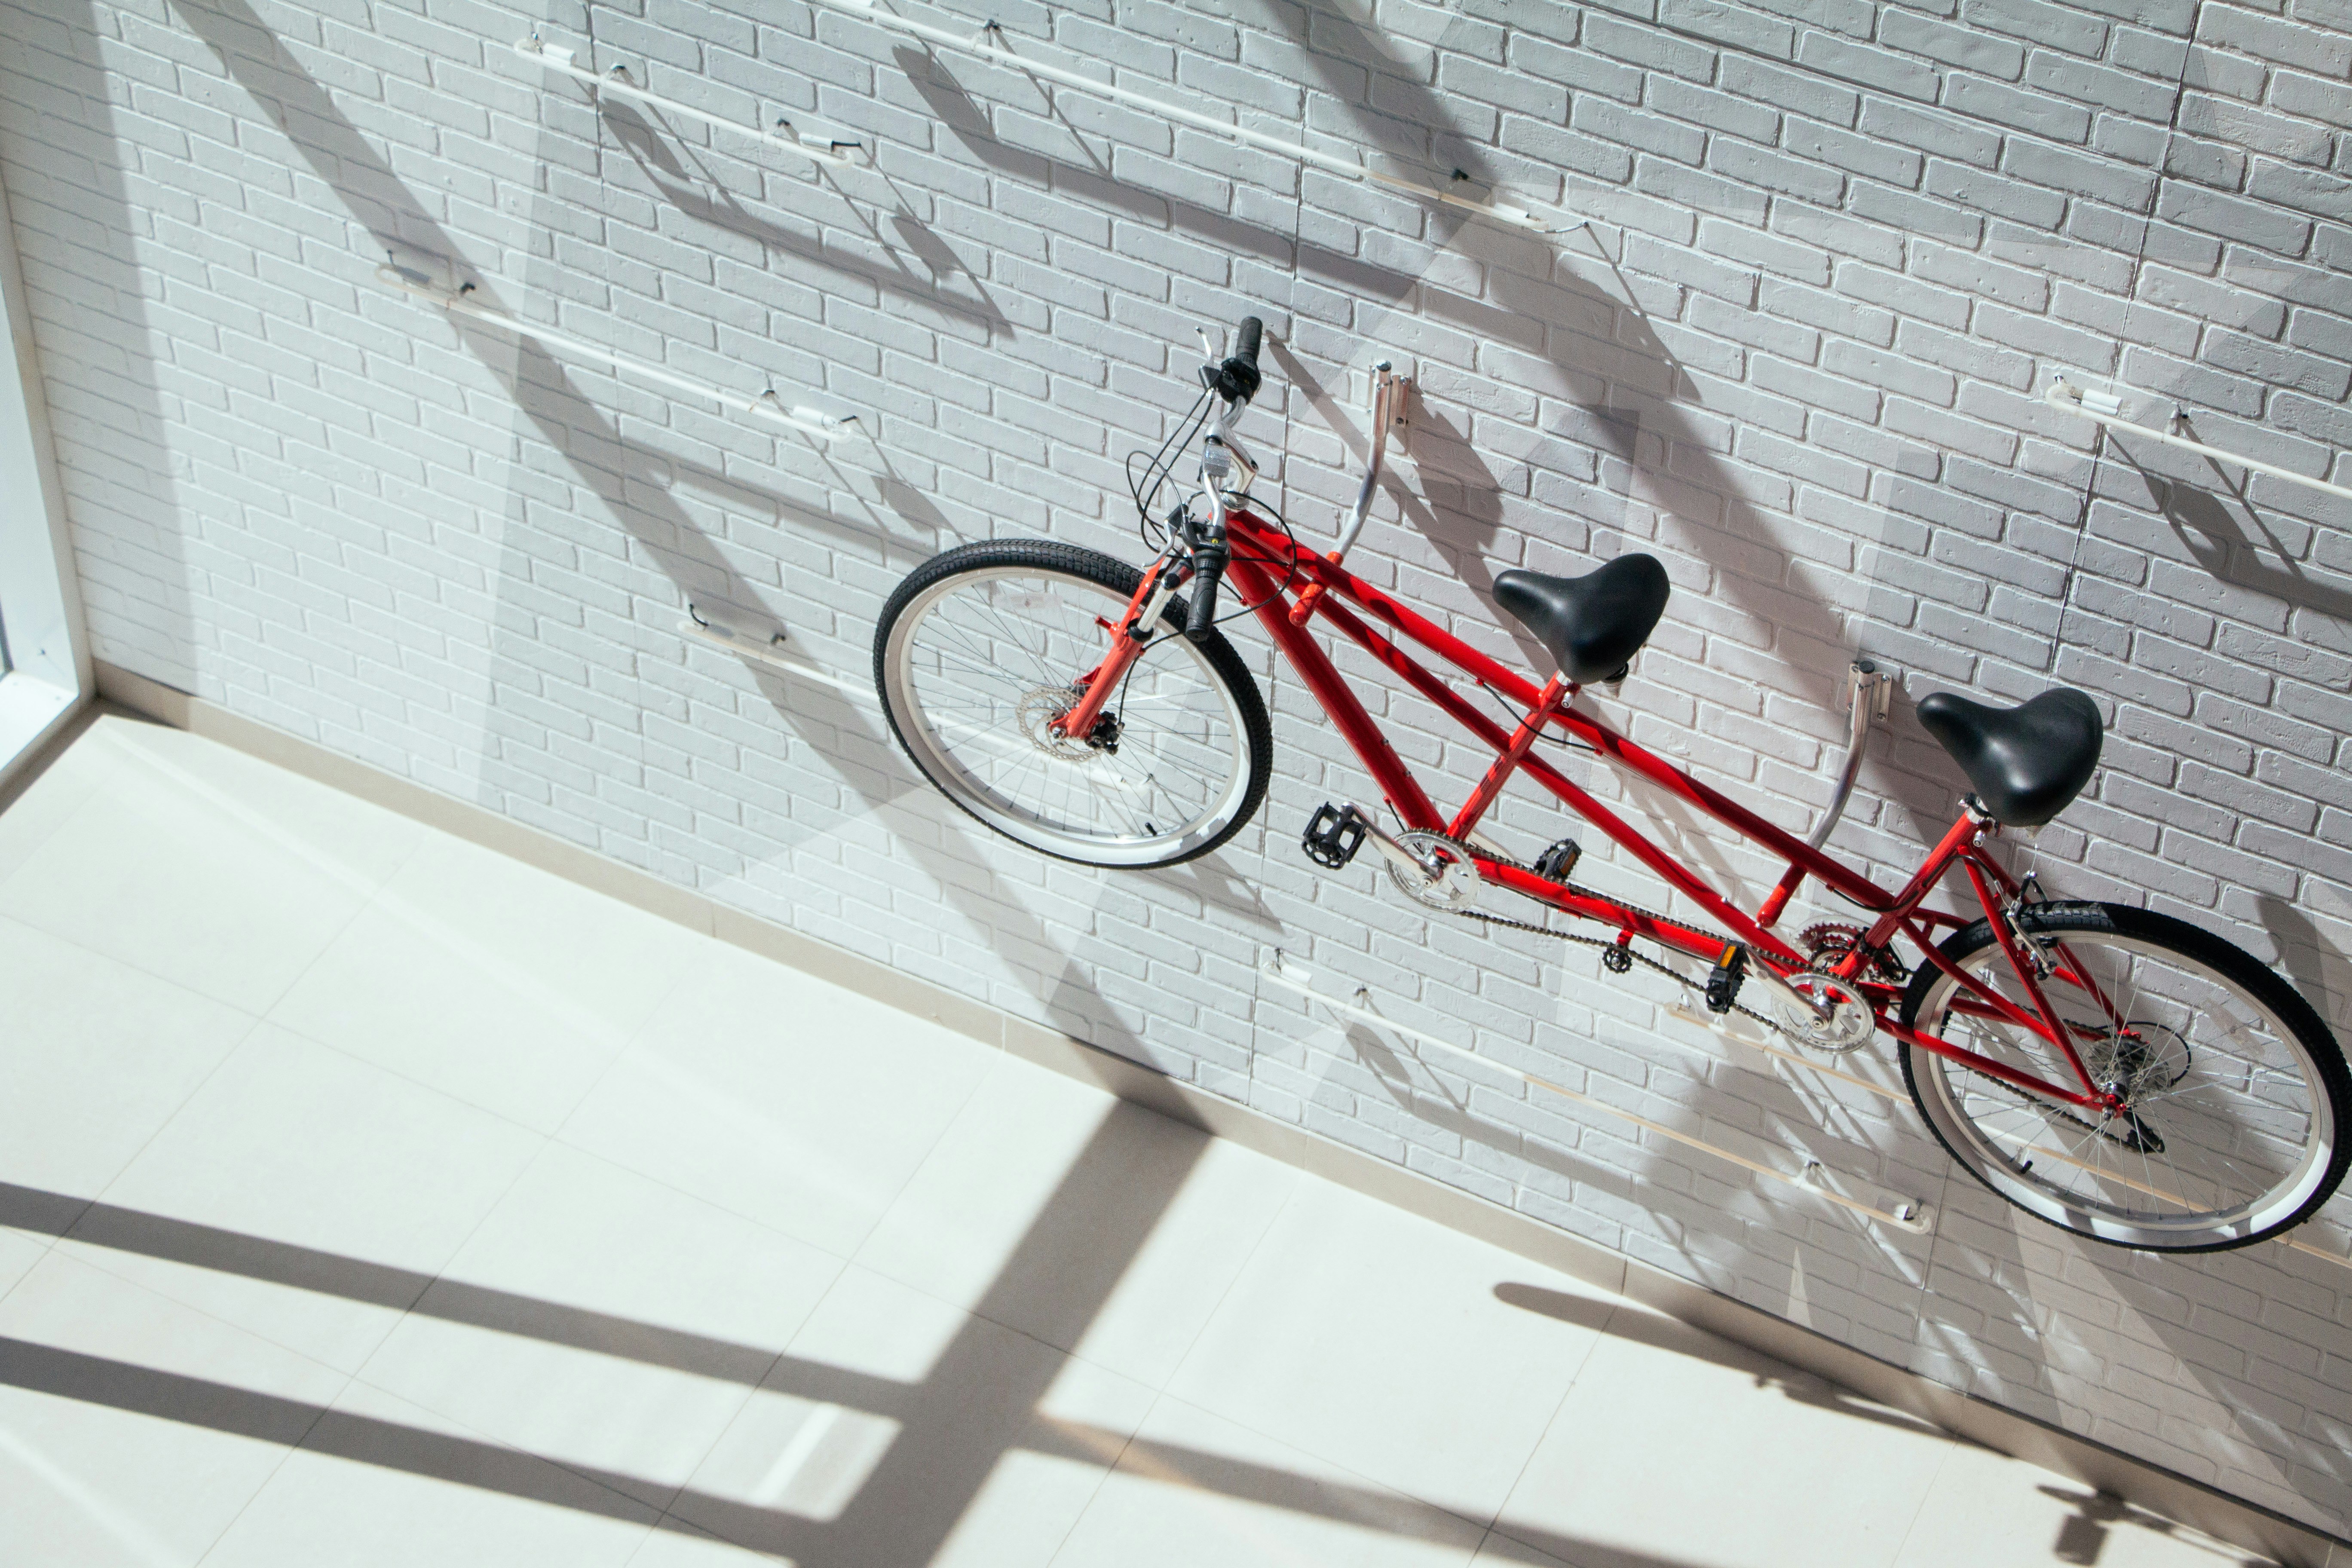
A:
[1267,566]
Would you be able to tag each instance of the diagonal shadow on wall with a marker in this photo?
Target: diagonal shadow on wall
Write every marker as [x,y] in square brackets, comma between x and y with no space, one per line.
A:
[631,487]
[2240,547]
[1616,373]
[707,199]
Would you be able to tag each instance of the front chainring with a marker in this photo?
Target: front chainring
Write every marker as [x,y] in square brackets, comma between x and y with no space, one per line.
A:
[1852,1022]
[1456,884]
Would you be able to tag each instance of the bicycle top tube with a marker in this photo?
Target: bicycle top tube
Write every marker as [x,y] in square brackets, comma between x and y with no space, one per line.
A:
[1248,530]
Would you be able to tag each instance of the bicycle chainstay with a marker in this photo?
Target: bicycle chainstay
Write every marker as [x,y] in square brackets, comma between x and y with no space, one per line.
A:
[1686,982]
[1606,944]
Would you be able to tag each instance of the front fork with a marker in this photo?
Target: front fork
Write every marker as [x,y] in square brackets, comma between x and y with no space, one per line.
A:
[1128,640]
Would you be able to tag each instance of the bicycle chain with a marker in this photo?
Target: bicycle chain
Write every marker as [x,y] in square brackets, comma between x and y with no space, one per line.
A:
[1604,943]
[1688,984]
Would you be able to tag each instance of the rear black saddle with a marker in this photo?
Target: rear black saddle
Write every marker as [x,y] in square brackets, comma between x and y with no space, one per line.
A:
[1593,625]
[2027,763]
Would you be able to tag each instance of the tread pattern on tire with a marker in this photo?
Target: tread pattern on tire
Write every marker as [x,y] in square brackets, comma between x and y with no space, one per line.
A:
[2194,942]
[1107,572]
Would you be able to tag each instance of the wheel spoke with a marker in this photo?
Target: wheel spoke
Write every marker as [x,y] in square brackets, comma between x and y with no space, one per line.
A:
[2232,1123]
[975,667]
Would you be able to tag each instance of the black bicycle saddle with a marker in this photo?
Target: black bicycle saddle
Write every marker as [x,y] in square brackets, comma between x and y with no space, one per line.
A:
[2027,763]
[1593,625]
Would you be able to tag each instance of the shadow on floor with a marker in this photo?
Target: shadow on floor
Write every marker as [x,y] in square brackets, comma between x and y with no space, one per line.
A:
[1646,1328]
[954,1427]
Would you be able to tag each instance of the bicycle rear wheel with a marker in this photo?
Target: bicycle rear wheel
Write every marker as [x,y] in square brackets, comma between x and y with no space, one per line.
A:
[2237,1095]
[982,646]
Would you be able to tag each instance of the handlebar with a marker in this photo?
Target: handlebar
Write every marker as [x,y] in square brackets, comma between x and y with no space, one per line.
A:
[1246,341]
[1209,570]
[1237,377]
[1235,380]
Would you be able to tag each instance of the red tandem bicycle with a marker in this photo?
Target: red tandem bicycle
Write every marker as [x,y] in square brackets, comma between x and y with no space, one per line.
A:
[2117,1072]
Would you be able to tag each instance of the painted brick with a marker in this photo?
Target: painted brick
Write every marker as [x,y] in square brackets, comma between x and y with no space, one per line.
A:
[1806,92]
[2036,111]
[1845,243]
[2277,39]
[1872,69]
[1966,48]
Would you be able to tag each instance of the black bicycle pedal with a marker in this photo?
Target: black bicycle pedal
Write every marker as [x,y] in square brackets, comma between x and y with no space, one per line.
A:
[1333,835]
[1555,863]
[1723,980]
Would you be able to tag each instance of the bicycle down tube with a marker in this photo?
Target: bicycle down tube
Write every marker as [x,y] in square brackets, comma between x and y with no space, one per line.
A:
[1263,569]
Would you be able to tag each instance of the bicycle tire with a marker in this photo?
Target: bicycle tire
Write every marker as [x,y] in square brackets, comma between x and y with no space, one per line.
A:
[2236,977]
[1212,659]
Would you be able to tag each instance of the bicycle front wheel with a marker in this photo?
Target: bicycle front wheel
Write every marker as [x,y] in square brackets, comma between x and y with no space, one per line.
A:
[983,647]
[2236,1095]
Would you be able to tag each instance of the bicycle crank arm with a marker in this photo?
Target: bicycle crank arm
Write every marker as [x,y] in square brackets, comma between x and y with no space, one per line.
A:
[1779,986]
[1388,845]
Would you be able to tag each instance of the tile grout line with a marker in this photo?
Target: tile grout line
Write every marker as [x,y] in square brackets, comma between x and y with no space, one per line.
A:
[1249,1258]
[491,1439]
[253,1021]
[1371,1482]
[284,1459]
[1983,1421]
[1951,1451]
[1495,1525]
[749,1394]
[686,972]
[287,1449]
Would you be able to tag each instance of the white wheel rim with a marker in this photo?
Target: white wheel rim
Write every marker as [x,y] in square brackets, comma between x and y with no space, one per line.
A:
[963,657]
[2220,1131]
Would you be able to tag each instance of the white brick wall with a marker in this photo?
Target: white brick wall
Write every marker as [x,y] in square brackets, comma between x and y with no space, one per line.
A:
[1840,251]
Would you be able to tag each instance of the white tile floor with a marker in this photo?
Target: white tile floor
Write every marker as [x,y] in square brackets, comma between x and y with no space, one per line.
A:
[368,1198]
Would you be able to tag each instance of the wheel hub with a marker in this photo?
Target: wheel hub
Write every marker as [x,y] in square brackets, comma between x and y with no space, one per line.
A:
[2136,1060]
[1041,708]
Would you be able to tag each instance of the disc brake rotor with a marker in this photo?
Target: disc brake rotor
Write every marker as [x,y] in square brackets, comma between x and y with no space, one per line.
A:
[1037,712]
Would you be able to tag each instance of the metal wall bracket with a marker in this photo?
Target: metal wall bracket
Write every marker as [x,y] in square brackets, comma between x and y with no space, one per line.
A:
[1869,691]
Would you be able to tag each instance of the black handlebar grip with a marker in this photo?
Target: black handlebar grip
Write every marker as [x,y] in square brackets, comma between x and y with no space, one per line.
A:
[1202,612]
[1237,377]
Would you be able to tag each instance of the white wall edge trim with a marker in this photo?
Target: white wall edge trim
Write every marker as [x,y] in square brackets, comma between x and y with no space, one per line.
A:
[46,672]
[2176,1497]
[32,711]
